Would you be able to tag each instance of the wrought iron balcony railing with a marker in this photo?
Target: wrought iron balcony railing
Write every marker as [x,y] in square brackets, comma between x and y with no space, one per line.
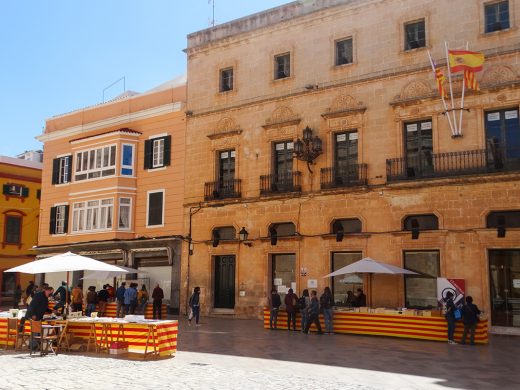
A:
[436,165]
[341,177]
[223,189]
[280,183]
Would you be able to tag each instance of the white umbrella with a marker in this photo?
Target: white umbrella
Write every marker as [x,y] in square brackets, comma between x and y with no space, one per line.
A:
[104,275]
[369,266]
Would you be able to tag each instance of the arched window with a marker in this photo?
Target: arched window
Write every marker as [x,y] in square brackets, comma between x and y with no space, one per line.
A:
[225,233]
[284,229]
[349,225]
[421,222]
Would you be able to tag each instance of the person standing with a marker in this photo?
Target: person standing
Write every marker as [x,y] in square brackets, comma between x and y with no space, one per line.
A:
[142,299]
[120,300]
[314,313]
[450,316]
[29,292]
[470,312]
[102,298]
[303,304]
[291,302]
[361,299]
[157,297]
[194,304]
[77,298]
[274,306]
[326,303]
[111,293]
[61,296]
[91,301]
[17,296]
[130,299]
[38,307]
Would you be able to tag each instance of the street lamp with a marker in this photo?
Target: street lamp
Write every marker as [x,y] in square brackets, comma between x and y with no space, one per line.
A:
[308,149]
[242,236]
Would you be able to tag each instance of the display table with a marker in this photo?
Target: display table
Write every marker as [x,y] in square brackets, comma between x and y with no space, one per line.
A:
[112,308]
[157,337]
[413,327]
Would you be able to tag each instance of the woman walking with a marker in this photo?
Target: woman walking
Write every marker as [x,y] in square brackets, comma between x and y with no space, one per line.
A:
[195,306]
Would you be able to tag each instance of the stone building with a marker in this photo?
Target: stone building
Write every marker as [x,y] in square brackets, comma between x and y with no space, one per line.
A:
[113,186]
[391,182]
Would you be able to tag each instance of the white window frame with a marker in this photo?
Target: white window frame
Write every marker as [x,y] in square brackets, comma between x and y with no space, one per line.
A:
[148,193]
[99,151]
[94,216]
[129,206]
[131,166]
[63,170]
[59,228]
[158,153]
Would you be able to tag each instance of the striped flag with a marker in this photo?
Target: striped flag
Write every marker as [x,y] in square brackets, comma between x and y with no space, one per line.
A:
[471,80]
[439,76]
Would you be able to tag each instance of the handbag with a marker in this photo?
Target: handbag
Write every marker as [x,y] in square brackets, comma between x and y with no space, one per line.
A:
[190,314]
[457,314]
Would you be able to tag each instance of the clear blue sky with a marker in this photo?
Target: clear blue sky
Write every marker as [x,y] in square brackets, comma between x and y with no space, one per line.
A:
[58,55]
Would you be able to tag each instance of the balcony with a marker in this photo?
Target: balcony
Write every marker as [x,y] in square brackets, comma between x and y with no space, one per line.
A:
[223,189]
[352,175]
[438,165]
[280,183]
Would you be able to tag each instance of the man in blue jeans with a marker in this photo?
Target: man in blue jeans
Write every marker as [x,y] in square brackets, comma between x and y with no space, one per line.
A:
[326,303]
[120,300]
[274,306]
[450,316]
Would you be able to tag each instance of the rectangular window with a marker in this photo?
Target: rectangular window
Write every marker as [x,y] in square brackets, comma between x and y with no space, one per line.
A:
[61,170]
[226,80]
[157,152]
[503,138]
[59,219]
[13,229]
[125,207]
[283,270]
[497,16]
[155,209]
[419,148]
[344,53]
[421,289]
[282,66]
[94,163]
[127,160]
[342,284]
[15,190]
[94,215]
[414,35]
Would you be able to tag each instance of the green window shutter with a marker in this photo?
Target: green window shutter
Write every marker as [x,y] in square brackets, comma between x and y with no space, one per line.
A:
[25,192]
[52,225]
[167,149]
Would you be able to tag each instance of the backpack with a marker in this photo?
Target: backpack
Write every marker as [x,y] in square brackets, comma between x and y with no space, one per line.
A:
[301,303]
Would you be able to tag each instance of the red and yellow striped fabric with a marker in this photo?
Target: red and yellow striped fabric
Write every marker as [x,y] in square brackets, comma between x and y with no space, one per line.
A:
[413,327]
[112,308]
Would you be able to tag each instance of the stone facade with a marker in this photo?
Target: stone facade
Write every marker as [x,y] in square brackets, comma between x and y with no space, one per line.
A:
[377,94]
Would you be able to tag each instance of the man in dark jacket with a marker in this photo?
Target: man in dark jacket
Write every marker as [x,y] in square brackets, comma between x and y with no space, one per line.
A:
[274,306]
[120,300]
[38,306]
[470,313]
[102,298]
[450,316]
[61,296]
[157,296]
[291,303]
[194,303]
[314,313]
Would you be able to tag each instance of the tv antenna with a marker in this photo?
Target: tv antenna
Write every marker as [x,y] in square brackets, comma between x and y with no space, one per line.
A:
[114,83]
[212,20]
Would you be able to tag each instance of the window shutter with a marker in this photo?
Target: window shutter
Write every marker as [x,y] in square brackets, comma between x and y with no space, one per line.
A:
[38,194]
[25,192]
[69,170]
[52,225]
[6,189]
[148,154]
[66,220]
[167,149]
[55,170]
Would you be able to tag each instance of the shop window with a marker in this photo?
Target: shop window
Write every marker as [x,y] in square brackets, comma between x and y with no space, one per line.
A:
[127,160]
[226,80]
[496,16]
[95,163]
[348,225]
[421,222]
[342,284]
[343,52]
[13,229]
[157,152]
[62,170]
[503,219]
[414,35]
[59,220]
[421,289]
[155,208]
[282,66]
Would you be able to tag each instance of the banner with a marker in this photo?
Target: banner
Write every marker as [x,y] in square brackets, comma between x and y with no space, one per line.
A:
[456,286]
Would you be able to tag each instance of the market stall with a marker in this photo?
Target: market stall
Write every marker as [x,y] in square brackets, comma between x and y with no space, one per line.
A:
[111,309]
[409,324]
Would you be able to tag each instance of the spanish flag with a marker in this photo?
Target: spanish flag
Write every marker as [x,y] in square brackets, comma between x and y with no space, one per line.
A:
[461,60]
[471,80]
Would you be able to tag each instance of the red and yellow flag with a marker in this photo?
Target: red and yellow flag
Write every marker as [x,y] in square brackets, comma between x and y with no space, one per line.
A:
[439,76]
[471,80]
[461,60]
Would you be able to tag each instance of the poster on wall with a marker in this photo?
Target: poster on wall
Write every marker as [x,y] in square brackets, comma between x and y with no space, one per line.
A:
[456,286]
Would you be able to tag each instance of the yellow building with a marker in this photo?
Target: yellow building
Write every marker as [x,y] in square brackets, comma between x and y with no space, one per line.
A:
[19,218]
[391,182]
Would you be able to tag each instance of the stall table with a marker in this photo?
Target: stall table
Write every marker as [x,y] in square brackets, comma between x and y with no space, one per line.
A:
[112,308]
[394,325]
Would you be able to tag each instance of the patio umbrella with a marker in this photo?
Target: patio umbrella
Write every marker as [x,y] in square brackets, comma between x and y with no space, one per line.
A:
[104,275]
[369,266]
[65,262]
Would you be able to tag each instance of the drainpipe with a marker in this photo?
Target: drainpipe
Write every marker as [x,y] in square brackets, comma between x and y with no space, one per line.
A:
[192,213]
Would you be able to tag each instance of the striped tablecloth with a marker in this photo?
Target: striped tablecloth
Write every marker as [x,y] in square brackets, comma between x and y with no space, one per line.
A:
[111,309]
[413,327]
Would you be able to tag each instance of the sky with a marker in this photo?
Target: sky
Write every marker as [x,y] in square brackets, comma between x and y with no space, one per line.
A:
[57,56]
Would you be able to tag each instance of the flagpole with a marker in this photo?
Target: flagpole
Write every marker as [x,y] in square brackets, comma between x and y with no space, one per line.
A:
[459,133]
[442,95]
[451,89]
